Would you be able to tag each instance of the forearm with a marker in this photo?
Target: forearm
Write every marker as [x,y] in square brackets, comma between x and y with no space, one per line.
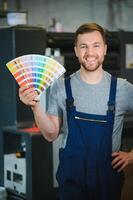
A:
[48,126]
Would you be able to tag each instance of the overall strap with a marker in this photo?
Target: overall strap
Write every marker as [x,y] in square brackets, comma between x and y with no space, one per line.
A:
[112,95]
[111,110]
[69,99]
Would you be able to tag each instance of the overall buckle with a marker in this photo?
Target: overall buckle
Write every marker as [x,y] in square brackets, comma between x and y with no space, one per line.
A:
[69,104]
[111,108]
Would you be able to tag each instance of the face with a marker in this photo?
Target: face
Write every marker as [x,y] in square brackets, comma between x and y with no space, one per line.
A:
[90,50]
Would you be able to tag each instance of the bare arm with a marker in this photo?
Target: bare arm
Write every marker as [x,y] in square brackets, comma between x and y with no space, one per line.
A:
[49,125]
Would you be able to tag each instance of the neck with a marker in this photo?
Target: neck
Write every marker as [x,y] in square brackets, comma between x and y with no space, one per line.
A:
[91,77]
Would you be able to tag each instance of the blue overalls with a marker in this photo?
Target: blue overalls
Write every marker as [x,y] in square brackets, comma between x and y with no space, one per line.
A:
[85,171]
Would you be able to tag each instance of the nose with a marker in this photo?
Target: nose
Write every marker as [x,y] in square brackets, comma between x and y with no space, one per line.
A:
[89,51]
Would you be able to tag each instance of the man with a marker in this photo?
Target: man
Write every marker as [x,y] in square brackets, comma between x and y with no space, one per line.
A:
[89,107]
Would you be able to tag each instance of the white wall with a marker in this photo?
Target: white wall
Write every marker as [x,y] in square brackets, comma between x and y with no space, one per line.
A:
[117,15]
[112,14]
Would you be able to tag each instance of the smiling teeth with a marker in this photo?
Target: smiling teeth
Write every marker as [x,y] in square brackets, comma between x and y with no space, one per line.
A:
[91,60]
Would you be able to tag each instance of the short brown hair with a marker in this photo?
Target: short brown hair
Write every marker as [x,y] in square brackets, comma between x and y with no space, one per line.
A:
[88,28]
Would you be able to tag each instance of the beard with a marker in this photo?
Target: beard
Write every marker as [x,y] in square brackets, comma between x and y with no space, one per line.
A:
[91,67]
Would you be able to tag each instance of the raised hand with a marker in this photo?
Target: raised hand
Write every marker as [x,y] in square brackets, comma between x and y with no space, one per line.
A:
[28,95]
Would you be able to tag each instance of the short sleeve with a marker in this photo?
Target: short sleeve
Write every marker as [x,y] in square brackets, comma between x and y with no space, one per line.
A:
[129,95]
[53,101]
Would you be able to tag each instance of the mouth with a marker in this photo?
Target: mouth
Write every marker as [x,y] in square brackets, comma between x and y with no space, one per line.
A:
[91,60]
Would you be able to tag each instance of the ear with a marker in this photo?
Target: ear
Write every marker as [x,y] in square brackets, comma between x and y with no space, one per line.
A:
[105,51]
[75,49]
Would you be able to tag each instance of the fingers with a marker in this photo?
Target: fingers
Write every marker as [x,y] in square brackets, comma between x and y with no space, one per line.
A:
[121,160]
[28,95]
[119,164]
[122,166]
[22,89]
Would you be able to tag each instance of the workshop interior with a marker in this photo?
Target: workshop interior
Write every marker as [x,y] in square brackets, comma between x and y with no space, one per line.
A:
[28,162]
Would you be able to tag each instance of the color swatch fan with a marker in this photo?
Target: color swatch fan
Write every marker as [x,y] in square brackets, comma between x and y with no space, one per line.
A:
[35,70]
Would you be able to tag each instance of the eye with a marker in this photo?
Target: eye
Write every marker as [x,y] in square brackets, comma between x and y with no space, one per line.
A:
[82,46]
[96,45]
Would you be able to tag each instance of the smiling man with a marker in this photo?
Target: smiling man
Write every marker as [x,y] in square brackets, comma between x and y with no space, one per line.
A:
[89,106]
